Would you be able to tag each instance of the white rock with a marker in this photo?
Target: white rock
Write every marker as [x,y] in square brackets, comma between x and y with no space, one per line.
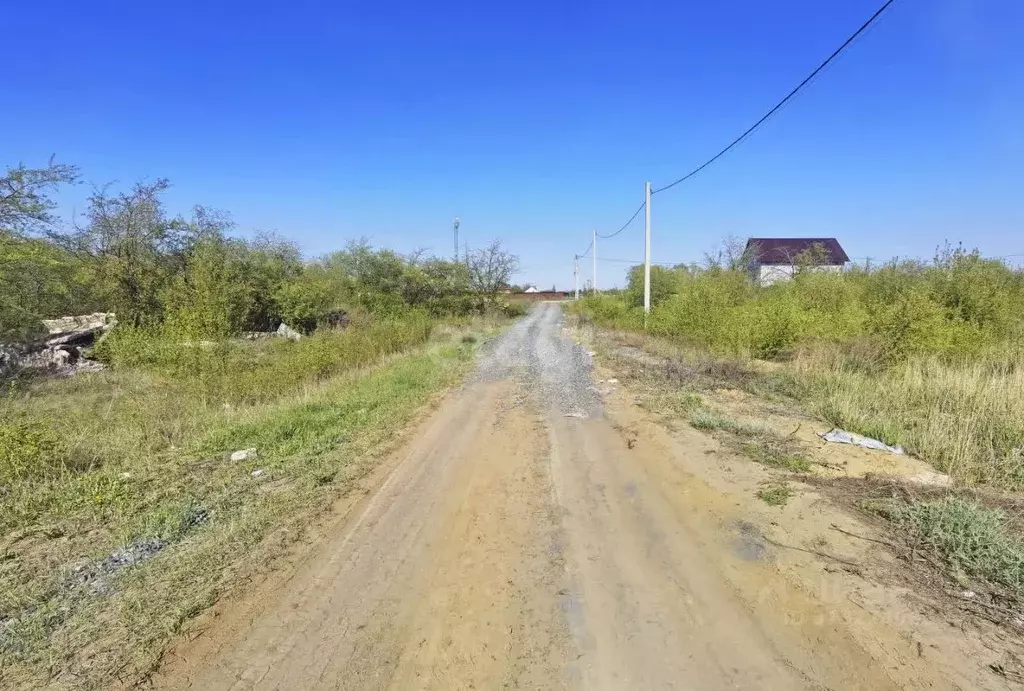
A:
[257,473]
[612,381]
[244,455]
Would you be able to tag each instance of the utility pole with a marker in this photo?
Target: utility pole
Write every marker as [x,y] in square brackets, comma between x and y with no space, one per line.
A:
[456,227]
[594,270]
[647,251]
[576,275]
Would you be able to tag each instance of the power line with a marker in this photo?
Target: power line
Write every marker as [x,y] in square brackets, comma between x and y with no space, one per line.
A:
[626,225]
[639,261]
[791,94]
[586,251]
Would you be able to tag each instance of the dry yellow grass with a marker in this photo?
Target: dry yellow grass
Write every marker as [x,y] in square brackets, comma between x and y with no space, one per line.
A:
[965,418]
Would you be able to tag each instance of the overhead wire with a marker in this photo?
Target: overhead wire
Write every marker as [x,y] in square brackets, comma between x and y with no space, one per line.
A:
[631,261]
[863,27]
[626,224]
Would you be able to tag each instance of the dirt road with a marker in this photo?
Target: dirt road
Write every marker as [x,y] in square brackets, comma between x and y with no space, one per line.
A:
[529,539]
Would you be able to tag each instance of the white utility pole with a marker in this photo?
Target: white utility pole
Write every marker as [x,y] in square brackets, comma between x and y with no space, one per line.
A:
[576,275]
[647,251]
[594,270]
[456,225]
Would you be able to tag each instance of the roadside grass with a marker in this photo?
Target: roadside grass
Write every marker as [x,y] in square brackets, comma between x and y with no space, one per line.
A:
[139,456]
[775,494]
[758,442]
[945,383]
[776,452]
[706,419]
[965,417]
[972,540]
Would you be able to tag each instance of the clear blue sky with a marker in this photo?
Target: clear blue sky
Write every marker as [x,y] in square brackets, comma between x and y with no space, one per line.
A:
[537,121]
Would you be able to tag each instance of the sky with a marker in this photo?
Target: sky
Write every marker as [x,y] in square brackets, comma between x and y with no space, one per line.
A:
[537,122]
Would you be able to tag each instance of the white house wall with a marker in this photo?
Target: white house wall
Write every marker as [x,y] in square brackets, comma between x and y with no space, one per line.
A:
[769,274]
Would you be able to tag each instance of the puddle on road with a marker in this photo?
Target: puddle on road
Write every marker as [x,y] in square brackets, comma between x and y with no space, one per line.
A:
[749,543]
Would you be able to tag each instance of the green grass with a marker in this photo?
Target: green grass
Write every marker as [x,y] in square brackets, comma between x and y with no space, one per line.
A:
[135,453]
[757,442]
[775,495]
[972,540]
[706,419]
[239,372]
[775,452]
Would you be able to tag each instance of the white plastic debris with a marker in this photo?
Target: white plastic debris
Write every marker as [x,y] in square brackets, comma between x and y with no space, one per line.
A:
[841,436]
[612,381]
[244,455]
[257,473]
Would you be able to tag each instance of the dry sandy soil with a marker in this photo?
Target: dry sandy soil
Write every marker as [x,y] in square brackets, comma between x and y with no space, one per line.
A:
[543,533]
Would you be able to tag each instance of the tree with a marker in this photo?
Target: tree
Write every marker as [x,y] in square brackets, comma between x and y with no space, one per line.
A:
[25,202]
[810,259]
[490,268]
[37,279]
[731,255]
[134,248]
[664,284]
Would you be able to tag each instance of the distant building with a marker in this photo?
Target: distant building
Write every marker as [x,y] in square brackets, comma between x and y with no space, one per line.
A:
[531,289]
[777,259]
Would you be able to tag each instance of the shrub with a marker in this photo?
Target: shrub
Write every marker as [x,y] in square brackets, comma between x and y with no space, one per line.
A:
[960,306]
[971,539]
[30,450]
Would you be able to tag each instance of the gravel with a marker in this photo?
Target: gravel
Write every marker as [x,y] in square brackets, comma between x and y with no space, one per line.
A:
[536,351]
[96,576]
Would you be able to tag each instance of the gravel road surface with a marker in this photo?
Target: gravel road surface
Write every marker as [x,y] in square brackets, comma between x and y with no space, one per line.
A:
[526,539]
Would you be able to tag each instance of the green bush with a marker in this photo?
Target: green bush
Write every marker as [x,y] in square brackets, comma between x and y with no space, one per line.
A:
[30,450]
[973,540]
[960,306]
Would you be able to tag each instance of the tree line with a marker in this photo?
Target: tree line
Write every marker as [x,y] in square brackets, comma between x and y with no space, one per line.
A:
[127,254]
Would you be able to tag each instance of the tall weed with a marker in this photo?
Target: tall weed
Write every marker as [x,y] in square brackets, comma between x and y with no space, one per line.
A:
[930,356]
[228,371]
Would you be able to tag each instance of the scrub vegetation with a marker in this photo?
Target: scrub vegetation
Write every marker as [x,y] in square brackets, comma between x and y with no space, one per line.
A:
[133,497]
[926,355]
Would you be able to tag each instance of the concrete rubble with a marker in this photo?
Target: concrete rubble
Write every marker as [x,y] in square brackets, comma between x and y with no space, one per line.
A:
[288,332]
[63,353]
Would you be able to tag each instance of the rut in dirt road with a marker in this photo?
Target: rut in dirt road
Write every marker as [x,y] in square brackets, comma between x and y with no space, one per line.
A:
[521,543]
